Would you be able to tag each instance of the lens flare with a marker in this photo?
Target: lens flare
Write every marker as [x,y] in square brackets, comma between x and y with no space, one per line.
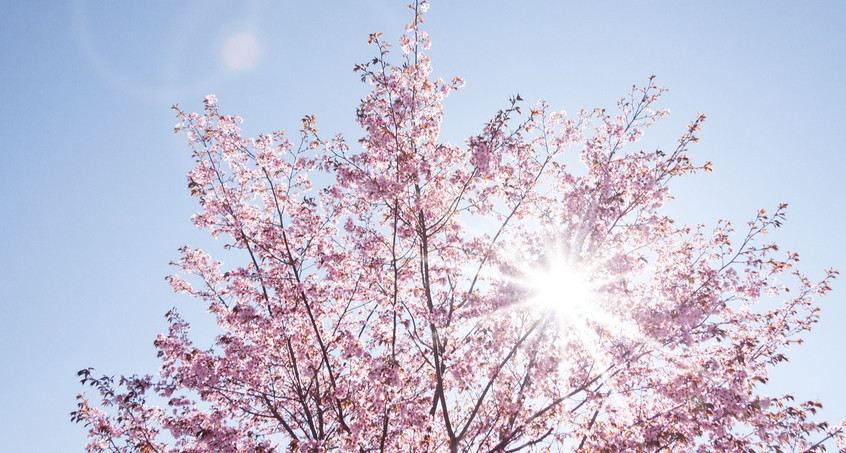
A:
[240,52]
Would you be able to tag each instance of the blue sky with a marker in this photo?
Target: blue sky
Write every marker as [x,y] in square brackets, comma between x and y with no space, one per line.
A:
[94,198]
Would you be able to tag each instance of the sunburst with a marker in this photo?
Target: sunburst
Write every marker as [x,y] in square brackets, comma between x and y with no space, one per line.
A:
[574,291]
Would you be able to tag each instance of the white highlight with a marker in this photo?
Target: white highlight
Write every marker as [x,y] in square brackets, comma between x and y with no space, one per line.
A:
[240,51]
[561,288]
[569,293]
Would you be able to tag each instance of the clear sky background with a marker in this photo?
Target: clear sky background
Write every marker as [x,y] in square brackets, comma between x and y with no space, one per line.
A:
[94,201]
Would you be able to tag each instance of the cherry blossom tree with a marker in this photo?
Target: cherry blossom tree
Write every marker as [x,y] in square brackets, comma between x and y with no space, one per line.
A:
[521,291]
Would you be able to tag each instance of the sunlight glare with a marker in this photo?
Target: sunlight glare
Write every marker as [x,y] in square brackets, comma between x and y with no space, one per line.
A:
[563,289]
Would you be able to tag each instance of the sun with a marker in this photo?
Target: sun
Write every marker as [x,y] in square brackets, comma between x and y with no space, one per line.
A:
[563,289]
[573,292]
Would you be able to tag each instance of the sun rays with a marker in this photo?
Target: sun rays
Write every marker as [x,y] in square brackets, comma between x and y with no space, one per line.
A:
[575,291]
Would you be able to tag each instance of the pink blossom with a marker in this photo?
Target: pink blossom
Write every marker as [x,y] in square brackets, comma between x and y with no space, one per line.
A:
[384,297]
